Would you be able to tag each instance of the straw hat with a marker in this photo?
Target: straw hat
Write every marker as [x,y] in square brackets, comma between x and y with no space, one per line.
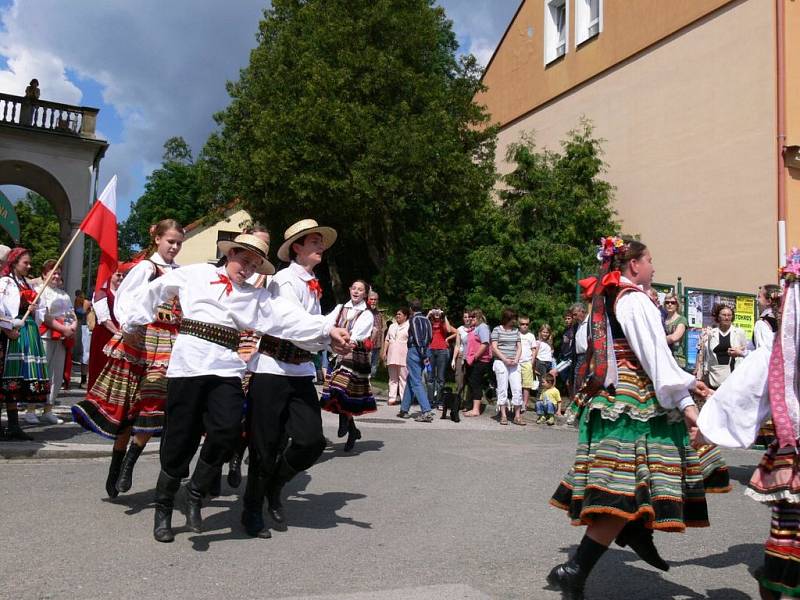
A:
[301,229]
[254,244]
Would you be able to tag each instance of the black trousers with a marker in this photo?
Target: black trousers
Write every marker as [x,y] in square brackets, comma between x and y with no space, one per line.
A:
[476,372]
[209,404]
[284,406]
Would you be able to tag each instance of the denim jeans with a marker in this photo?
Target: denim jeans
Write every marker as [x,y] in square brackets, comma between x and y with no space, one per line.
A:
[439,360]
[415,386]
[374,361]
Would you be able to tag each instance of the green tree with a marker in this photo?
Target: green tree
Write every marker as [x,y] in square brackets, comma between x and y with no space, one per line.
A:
[171,192]
[554,208]
[358,113]
[39,230]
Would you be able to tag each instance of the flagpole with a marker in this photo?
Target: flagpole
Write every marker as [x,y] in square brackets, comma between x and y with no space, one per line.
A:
[91,246]
[51,273]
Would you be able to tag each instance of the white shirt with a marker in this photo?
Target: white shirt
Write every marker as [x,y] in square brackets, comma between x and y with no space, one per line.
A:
[762,332]
[245,308]
[528,344]
[362,328]
[101,310]
[463,334]
[545,353]
[56,304]
[641,323]
[291,284]
[135,282]
[9,292]
[582,337]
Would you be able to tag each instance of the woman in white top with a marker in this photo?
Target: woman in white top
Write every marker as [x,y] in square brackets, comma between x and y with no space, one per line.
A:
[543,354]
[724,347]
[127,400]
[395,349]
[769,305]
[59,325]
[347,391]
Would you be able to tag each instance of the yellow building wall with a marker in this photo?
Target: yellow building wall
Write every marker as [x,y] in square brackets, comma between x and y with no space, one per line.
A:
[792,52]
[689,130]
[200,245]
[518,80]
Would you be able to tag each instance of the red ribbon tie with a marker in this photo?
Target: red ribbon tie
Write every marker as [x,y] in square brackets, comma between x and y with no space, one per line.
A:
[315,288]
[226,282]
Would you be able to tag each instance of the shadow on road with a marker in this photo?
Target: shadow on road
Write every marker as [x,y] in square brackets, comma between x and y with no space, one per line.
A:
[741,474]
[750,555]
[361,447]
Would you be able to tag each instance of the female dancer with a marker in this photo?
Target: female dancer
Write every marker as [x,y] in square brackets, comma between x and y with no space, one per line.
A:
[635,470]
[106,326]
[347,391]
[25,373]
[764,384]
[128,397]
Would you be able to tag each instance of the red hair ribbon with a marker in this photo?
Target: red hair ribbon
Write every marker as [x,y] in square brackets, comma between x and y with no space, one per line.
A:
[590,283]
[226,282]
[315,288]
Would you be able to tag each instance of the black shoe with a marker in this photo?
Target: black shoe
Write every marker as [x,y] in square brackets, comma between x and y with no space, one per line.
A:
[235,471]
[568,579]
[353,435]
[640,539]
[113,473]
[344,424]
[125,479]
[15,434]
[166,487]
[403,415]
[254,526]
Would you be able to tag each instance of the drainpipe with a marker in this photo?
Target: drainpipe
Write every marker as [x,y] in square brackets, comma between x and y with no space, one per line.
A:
[781,133]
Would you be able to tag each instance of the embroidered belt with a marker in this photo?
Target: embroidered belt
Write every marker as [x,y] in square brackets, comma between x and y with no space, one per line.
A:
[283,350]
[227,337]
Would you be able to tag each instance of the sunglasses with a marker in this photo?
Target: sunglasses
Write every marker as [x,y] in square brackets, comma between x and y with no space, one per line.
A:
[670,302]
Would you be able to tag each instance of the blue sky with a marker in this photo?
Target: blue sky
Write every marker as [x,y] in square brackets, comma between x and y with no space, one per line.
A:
[158,69]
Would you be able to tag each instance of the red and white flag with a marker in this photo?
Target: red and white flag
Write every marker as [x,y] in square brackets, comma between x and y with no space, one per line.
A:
[101,224]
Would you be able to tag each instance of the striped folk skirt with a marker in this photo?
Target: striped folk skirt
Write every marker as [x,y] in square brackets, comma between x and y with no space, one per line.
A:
[346,390]
[776,481]
[26,376]
[638,470]
[131,391]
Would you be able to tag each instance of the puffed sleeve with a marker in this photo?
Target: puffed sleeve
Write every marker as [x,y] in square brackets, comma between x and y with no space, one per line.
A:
[286,320]
[641,323]
[362,328]
[733,414]
[9,301]
[141,307]
[132,286]
[101,310]
[762,334]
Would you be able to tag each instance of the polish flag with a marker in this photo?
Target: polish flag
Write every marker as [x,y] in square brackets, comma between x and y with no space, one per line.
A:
[101,224]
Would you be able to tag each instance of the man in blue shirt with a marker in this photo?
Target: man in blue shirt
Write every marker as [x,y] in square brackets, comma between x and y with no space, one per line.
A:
[419,338]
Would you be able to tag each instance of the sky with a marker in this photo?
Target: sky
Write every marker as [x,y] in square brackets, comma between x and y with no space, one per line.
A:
[158,69]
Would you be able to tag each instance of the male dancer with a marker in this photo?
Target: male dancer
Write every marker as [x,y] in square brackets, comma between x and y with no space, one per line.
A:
[282,396]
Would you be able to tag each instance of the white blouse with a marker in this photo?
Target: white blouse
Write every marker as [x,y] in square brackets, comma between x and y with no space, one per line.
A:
[204,299]
[56,304]
[733,414]
[101,310]
[762,332]
[135,282]
[9,293]
[362,328]
[641,323]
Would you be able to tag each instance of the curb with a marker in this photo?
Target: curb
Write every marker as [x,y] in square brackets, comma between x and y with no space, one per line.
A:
[28,450]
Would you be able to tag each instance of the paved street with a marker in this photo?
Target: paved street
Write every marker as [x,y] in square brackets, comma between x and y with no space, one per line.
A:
[440,511]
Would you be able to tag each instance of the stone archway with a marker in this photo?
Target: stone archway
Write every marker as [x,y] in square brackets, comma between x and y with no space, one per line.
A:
[50,148]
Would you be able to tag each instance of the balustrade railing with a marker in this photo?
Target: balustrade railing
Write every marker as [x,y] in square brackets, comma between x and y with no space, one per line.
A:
[50,116]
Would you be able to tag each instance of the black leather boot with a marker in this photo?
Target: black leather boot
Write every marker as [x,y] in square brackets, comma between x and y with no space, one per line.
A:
[216,485]
[125,479]
[569,579]
[640,539]
[252,513]
[344,423]
[235,471]
[282,474]
[166,488]
[353,434]
[197,488]
[113,473]
[455,408]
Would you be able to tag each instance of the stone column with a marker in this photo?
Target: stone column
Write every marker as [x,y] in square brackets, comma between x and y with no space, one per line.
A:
[73,263]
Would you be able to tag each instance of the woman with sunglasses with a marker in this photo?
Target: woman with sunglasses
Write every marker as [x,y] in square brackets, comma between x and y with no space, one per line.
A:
[675,326]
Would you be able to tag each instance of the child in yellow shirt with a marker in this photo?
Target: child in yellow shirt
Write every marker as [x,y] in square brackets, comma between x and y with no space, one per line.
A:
[548,400]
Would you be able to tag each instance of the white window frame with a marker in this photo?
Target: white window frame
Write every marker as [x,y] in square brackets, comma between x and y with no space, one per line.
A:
[584,23]
[552,48]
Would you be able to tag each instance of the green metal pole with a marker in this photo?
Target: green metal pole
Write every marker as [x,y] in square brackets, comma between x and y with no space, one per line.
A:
[578,277]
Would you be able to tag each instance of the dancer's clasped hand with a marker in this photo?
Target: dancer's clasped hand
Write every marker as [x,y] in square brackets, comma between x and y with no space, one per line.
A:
[340,341]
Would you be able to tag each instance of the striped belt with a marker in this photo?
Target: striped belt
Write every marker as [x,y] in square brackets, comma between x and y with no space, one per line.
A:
[227,337]
[283,350]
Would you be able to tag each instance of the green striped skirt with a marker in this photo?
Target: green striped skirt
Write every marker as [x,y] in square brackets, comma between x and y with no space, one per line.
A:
[639,470]
[26,377]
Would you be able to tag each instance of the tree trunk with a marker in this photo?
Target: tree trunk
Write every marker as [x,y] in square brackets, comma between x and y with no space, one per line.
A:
[336,278]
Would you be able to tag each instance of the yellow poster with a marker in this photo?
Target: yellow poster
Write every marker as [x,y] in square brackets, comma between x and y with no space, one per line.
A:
[745,314]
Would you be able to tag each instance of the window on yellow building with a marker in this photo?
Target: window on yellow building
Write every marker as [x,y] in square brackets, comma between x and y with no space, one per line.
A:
[588,19]
[556,29]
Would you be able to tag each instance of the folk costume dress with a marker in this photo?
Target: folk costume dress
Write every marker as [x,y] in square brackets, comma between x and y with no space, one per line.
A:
[764,384]
[634,458]
[26,375]
[347,390]
[132,388]
[103,304]
[763,336]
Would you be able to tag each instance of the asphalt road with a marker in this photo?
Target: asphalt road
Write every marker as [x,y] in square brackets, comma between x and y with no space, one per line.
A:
[419,511]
